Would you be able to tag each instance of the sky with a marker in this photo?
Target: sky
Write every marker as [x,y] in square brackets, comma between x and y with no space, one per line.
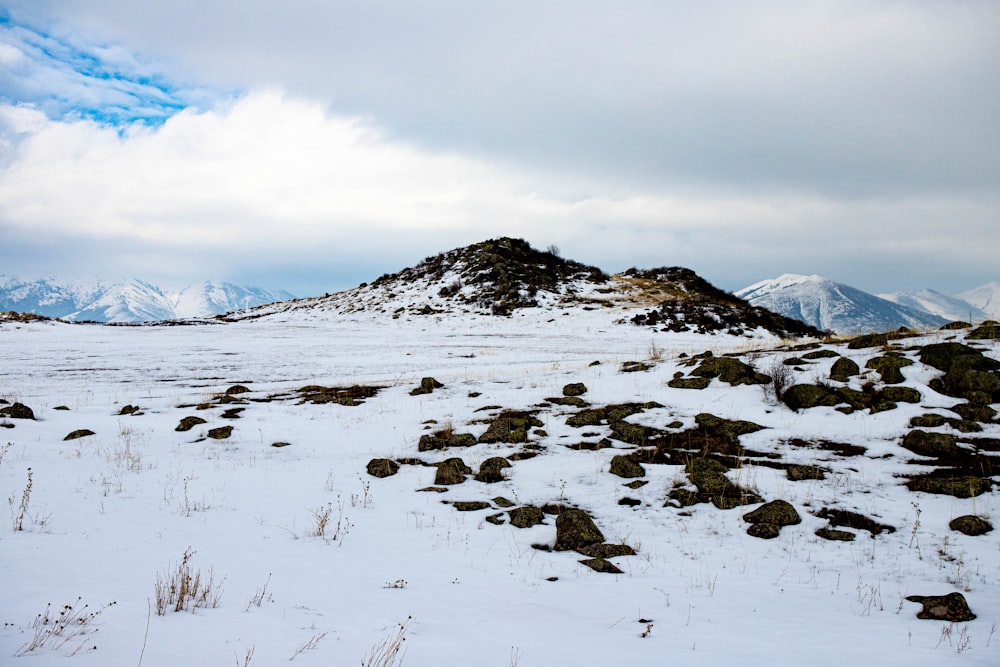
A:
[310,146]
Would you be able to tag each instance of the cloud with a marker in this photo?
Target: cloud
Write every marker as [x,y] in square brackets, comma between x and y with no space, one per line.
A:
[275,183]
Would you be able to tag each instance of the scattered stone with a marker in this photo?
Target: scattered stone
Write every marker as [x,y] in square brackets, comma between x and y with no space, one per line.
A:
[500,501]
[888,367]
[232,413]
[451,471]
[129,410]
[526,517]
[725,428]
[220,433]
[79,433]
[61,407]
[433,489]
[960,486]
[798,473]
[951,607]
[765,531]
[427,386]
[985,332]
[683,497]
[575,530]
[729,370]
[444,439]
[803,396]
[976,413]
[970,524]
[690,383]
[279,445]
[629,502]
[820,354]
[637,484]
[848,519]
[835,535]
[496,519]
[491,470]
[606,550]
[188,423]
[572,401]
[635,367]
[844,369]
[626,467]
[510,426]
[17,411]
[470,505]
[935,445]
[601,565]
[929,420]
[777,512]
[382,468]
[575,389]
[900,395]
[348,396]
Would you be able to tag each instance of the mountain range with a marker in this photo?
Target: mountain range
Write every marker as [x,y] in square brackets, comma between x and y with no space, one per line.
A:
[128,301]
[840,308]
[501,275]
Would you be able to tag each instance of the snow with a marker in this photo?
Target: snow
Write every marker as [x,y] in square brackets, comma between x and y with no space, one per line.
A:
[949,307]
[110,512]
[985,297]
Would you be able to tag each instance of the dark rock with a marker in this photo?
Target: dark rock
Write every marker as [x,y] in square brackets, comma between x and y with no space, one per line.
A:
[128,410]
[820,354]
[971,524]
[232,413]
[470,505]
[844,369]
[79,433]
[848,519]
[629,502]
[575,389]
[951,607]
[835,535]
[444,439]
[635,367]
[279,445]
[382,467]
[765,531]
[976,413]
[798,473]
[601,565]
[803,396]
[690,383]
[900,395]
[496,519]
[188,423]
[427,386]
[491,470]
[637,484]
[510,426]
[17,411]
[575,530]
[684,497]
[237,389]
[924,443]
[725,428]
[500,501]
[526,517]
[434,489]
[777,512]
[220,433]
[607,550]
[985,332]
[451,471]
[626,467]
[929,420]
[888,367]
[959,486]
[729,370]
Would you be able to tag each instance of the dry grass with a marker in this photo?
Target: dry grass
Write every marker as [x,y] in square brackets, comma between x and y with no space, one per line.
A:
[185,589]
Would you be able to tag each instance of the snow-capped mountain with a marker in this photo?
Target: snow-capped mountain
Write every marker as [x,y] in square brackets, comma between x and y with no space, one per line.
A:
[833,306]
[128,301]
[213,298]
[986,298]
[934,302]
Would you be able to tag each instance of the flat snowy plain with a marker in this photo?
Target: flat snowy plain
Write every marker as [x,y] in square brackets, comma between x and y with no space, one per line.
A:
[111,512]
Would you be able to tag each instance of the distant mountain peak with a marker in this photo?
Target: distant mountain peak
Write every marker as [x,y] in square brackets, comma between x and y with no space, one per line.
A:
[833,306]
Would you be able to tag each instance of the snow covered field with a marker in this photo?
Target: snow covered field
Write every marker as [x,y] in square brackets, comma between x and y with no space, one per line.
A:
[109,513]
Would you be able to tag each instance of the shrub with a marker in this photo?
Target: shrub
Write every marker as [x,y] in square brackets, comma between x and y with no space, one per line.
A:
[185,589]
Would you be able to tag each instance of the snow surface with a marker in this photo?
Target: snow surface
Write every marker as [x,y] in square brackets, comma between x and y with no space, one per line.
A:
[110,512]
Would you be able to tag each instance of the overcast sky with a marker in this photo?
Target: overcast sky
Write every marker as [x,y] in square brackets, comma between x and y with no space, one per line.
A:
[313,144]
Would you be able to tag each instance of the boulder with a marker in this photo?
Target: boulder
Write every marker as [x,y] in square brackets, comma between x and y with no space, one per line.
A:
[526,517]
[844,369]
[575,530]
[574,389]
[17,411]
[888,367]
[382,468]
[220,433]
[776,512]
[188,423]
[79,433]
[626,467]
[427,386]
[951,607]
[924,443]
[451,471]
[491,470]
[970,524]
